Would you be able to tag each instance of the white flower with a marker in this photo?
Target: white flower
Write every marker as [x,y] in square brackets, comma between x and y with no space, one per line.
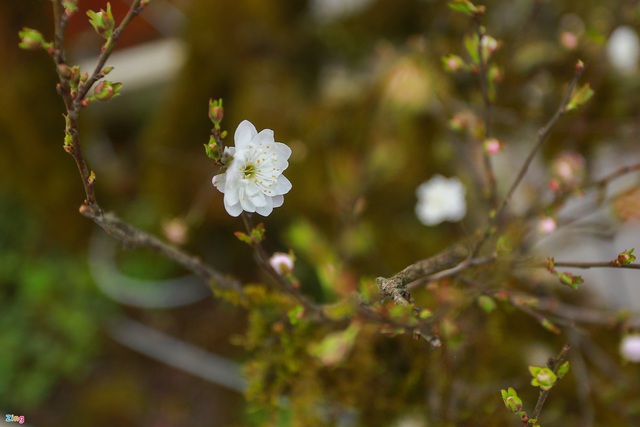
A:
[623,49]
[630,347]
[441,199]
[253,181]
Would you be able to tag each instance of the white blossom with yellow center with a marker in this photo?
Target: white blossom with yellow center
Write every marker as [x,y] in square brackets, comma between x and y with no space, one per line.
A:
[253,181]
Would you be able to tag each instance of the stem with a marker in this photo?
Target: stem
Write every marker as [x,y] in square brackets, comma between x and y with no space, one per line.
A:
[134,10]
[262,258]
[553,364]
[113,225]
[585,265]
[543,133]
[488,108]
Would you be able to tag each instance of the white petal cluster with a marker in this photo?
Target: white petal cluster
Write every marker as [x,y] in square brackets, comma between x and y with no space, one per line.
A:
[441,199]
[253,181]
[630,347]
[623,49]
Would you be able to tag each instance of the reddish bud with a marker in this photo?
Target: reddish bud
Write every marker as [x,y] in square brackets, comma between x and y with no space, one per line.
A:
[216,112]
[105,90]
[31,39]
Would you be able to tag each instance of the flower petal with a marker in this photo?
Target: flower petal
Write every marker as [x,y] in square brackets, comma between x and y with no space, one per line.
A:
[245,132]
[233,210]
[264,139]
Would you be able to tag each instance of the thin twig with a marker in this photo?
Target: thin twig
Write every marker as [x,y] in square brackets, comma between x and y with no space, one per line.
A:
[554,365]
[586,264]
[487,116]
[113,225]
[262,258]
[599,184]
[134,10]
[543,133]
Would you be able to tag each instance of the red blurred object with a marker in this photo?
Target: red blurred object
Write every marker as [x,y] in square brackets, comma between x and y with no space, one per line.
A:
[138,31]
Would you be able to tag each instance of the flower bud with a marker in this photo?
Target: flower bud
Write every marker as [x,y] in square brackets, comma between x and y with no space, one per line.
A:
[547,225]
[102,21]
[282,263]
[64,71]
[568,170]
[70,6]
[216,112]
[492,146]
[453,63]
[31,39]
[105,90]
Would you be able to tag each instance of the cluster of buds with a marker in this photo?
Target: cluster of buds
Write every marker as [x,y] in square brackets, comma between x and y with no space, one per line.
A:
[214,148]
[566,278]
[74,76]
[624,258]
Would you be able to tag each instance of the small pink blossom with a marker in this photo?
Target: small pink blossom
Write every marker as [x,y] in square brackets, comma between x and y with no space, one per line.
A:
[492,146]
[569,40]
[547,225]
[281,262]
[630,347]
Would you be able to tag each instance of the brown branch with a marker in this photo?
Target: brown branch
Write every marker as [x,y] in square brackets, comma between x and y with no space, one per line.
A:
[262,258]
[133,237]
[586,264]
[113,225]
[395,287]
[134,10]
[600,184]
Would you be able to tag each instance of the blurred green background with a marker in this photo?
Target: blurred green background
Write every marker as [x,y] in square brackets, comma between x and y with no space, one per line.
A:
[360,96]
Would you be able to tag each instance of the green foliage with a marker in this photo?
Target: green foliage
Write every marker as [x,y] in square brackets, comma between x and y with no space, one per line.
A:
[580,97]
[50,315]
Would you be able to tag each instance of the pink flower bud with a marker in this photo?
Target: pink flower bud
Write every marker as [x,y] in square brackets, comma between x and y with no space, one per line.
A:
[569,40]
[547,225]
[492,146]
[281,262]
[31,39]
[569,169]
[106,90]
[216,112]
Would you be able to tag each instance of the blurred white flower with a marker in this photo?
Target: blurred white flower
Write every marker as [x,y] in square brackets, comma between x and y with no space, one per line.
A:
[630,347]
[281,262]
[623,49]
[332,10]
[441,199]
[547,225]
[253,181]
